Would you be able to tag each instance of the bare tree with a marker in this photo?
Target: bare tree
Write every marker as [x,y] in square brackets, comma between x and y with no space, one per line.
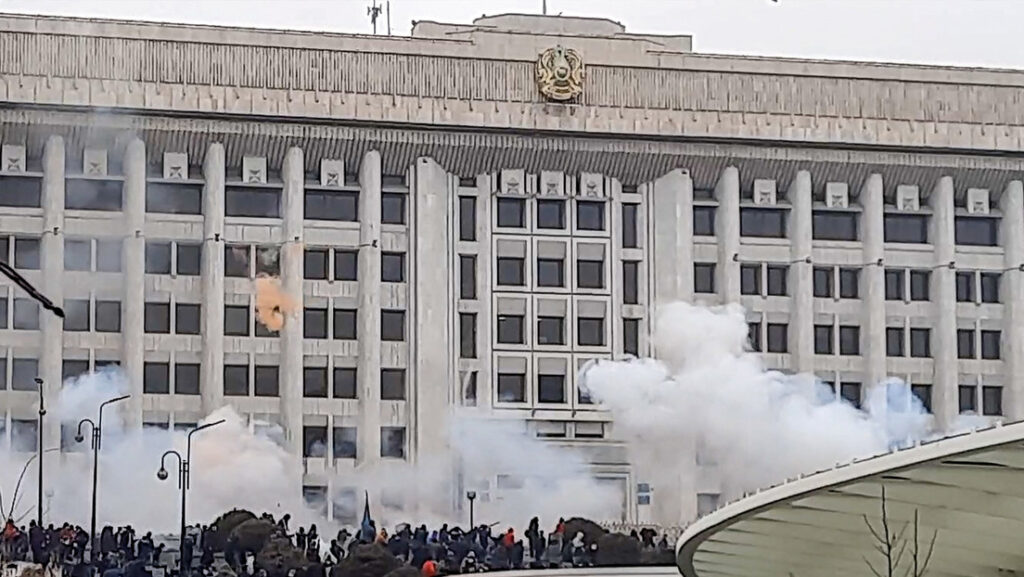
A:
[892,545]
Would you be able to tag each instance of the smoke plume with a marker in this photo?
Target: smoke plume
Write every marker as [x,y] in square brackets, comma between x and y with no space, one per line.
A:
[273,304]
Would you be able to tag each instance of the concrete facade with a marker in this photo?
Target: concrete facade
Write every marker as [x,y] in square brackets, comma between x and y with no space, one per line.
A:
[457,241]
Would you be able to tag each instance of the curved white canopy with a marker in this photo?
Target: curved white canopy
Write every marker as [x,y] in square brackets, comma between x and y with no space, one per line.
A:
[967,491]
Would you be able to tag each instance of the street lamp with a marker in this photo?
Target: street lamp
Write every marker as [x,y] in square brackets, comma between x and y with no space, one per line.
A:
[471,495]
[183,484]
[97,432]
[42,412]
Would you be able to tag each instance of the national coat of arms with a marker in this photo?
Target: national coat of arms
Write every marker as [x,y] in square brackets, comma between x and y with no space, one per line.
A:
[560,74]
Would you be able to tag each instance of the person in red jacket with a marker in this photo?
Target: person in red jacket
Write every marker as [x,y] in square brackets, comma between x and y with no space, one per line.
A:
[429,568]
[509,540]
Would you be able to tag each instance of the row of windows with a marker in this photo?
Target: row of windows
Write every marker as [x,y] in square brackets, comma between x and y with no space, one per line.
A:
[991,397]
[551,389]
[550,214]
[590,332]
[550,273]
[345,442]
[774,338]
[316,324]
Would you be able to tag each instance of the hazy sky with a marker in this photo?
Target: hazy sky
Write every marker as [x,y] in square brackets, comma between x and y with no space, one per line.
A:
[958,32]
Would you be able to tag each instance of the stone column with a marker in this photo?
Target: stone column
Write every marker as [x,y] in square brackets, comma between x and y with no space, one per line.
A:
[1012,296]
[727,231]
[671,253]
[52,285]
[872,279]
[293,175]
[368,316]
[801,320]
[212,377]
[133,269]
[945,400]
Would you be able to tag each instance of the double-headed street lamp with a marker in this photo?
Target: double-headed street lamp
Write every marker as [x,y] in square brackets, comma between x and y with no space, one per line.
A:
[183,483]
[97,432]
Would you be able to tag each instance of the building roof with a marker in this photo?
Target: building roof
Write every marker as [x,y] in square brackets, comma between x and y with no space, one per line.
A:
[967,492]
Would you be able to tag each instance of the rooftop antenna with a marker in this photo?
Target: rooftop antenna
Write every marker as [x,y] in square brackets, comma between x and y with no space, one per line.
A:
[373,11]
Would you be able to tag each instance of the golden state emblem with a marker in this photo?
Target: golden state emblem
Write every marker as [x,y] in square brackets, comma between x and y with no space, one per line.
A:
[560,74]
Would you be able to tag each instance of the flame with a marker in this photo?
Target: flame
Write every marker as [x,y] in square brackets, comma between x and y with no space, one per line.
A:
[273,305]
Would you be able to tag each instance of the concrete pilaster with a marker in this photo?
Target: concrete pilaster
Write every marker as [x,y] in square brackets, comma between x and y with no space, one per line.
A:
[801,321]
[368,317]
[211,384]
[293,175]
[872,279]
[133,268]
[671,215]
[52,285]
[943,288]
[1012,296]
[727,231]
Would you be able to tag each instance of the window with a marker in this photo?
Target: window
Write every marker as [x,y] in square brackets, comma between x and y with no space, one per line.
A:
[777,280]
[467,335]
[314,323]
[590,274]
[630,238]
[849,340]
[77,314]
[108,316]
[991,401]
[69,369]
[236,380]
[703,220]
[467,218]
[3,312]
[158,258]
[23,374]
[920,343]
[24,435]
[630,282]
[551,214]
[990,345]
[850,392]
[590,332]
[550,331]
[828,225]
[26,253]
[823,339]
[704,277]
[20,192]
[990,287]
[156,378]
[344,324]
[589,215]
[392,442]
[510,329]
[186,318]
[924,395]
[108,255]
[345,442]
[392,384]
[631,336]
[823,282]
[467,277]
[511,388]
[750,279]
[236,260]
[167,198]
[189,258]
[551,388]
[778,337]
[268,260]
[157,318]
[236,320]
[550,272]
[968,399]
[919,285]
[314,264]
[895,346]
[392,325]
[26,315]
[252,202]
[906,228]
[511,212]
[186,378]
[336,205]
[965,287]
[77,255]
[314,382]
[92,194]
[469,388]
[346,265]
[314,441]
[763,222]
[267,378]
[392,208]
[893,285]
[849,283]
[965,344]
[344,383]
[510,271]
[754,336]
[392,267]
[976,231]
[706,503]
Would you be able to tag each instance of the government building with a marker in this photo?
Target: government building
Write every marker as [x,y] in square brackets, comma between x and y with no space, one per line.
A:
[467,216]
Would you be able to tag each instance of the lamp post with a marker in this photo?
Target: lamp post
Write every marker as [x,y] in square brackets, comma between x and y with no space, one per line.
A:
[184,465]
[97,432]
[471,495]
[39,448]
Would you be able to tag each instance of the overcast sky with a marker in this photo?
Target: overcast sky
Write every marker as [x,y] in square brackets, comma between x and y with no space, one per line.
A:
[952,32]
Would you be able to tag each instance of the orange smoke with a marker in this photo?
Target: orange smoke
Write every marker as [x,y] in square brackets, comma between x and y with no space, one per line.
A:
[273,305]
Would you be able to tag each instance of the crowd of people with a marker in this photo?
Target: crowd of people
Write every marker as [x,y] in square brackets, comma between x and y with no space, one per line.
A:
[67,549]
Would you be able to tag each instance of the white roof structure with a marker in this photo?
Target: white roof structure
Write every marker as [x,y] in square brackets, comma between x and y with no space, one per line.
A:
[967,492]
